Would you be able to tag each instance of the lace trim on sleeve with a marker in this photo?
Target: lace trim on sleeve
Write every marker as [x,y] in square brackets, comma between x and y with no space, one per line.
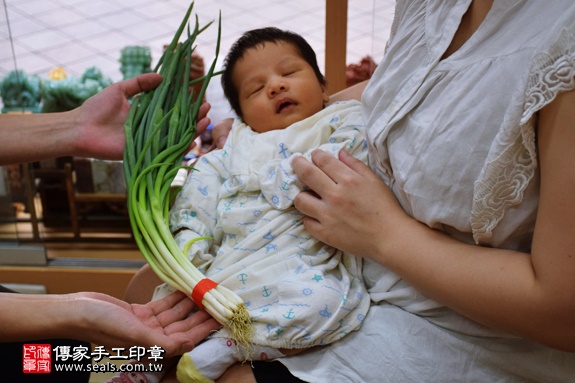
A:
[553,73]
[505,178]
[503,183]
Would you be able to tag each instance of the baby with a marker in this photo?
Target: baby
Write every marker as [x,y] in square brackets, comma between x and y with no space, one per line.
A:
[299,292]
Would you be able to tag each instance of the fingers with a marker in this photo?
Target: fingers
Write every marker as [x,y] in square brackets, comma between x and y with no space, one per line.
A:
[317,174]
[141,83]
[335,168]
[203,111]
[171,308]
[220,132]
[310,203]
[186,334]
[330,180]
[203,120]
[202,123]
[167,302]
[197,66]
[325,170]
[195,320]
[354,164]
[196,332]
[174,313]
[167,322]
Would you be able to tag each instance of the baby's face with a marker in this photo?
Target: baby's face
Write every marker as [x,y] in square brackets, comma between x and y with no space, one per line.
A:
[276,87]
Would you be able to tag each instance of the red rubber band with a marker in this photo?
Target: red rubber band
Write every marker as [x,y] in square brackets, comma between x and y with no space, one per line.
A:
[201,288]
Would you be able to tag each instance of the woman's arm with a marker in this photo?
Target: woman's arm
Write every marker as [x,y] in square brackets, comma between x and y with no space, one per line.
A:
[95,129]
[354,92]
[105,320]
[530,295]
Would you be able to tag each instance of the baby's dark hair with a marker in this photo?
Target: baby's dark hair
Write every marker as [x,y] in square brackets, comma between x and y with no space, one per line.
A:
[255,38]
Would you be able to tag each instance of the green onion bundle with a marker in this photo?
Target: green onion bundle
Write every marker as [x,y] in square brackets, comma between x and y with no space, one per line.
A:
[160,127]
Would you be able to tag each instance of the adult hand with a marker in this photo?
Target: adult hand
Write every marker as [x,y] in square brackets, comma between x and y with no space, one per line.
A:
[197,67]
[221,131]
[164,322]
[197,70]
[100,120]
[350,207]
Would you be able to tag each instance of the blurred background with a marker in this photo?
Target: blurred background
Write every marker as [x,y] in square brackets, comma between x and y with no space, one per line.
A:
[63,222]
[78,34]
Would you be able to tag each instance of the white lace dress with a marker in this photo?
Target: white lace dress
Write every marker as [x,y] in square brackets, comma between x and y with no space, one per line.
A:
[455,140]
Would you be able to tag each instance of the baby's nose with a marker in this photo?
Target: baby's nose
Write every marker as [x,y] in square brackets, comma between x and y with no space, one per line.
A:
[277,87]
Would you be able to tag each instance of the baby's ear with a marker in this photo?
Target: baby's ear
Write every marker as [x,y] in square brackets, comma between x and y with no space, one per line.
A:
[325,97]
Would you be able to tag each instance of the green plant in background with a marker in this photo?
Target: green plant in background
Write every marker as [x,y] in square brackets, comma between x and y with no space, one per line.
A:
[135,60]
[20,92]
[71,92]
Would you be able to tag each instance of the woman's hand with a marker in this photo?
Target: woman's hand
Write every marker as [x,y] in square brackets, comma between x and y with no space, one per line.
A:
[350,208]
[99,128]
[499,288]
[164,322]
[221,131]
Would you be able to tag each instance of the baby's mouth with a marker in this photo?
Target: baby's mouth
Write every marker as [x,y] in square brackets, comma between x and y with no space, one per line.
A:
[284,104]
